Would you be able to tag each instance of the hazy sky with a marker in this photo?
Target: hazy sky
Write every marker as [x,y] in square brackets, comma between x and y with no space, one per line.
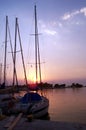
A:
[62,24]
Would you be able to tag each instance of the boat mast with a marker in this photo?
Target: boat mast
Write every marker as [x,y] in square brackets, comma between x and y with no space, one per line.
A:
[14,63]
[36,45]
[21,52]
[12,55]
[37,53]
[5,51]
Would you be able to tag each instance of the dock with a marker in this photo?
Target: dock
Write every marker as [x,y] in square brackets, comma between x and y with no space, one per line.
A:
[22,123]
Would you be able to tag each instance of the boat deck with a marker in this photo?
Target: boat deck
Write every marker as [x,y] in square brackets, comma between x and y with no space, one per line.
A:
[23,124]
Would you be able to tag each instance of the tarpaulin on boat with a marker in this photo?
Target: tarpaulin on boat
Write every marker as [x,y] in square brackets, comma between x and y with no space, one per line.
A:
[30,97]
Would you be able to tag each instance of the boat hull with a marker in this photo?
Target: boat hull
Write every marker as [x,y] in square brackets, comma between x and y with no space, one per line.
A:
[41,113]
[37,109]
[40,109]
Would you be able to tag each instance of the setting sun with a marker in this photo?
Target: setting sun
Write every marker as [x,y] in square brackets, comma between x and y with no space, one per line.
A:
[32,77]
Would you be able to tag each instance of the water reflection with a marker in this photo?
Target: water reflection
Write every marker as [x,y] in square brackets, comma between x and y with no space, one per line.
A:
[68,105]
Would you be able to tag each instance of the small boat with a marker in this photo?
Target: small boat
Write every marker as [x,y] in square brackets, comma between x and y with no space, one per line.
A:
[32,103]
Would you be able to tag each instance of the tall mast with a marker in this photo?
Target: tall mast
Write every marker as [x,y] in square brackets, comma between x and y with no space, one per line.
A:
[12,55]
[37,53]
[14,63]
[36,44]
[21,52]
[5,51]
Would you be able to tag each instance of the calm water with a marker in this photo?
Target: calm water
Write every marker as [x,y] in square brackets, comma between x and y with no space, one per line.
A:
[67,105]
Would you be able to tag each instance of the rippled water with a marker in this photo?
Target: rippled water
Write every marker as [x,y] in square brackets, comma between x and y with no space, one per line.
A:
[67,104]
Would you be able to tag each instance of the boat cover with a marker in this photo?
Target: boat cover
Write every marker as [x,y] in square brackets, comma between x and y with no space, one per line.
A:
[31,97]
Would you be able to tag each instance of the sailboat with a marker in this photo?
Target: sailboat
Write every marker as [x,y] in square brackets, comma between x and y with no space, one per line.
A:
[40,107]
[33,102]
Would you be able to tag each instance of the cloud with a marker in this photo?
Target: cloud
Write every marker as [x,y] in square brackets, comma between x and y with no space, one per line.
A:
[50,32]
[48,27]
[83,10]
[67,16]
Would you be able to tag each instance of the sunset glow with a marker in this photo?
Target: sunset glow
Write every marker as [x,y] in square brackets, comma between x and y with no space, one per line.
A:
[32,77]
[62,25]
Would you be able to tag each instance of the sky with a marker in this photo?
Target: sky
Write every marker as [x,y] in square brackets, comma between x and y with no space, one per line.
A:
[62,39]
